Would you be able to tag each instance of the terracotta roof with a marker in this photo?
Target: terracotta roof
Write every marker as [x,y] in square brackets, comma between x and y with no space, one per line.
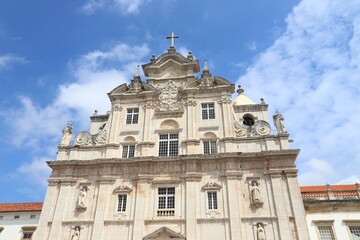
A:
[21,207]
[324,188]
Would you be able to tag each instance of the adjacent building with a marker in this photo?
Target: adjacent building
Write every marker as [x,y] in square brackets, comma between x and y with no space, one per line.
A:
[332,211]
[176,158]
[18,221]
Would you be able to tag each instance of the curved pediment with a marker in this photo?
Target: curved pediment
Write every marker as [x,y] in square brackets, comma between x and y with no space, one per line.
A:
[171,65]
[119,89]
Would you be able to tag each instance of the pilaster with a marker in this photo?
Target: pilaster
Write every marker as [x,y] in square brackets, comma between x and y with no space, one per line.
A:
[231,179]
[102,201]
[60,205]
[280,207]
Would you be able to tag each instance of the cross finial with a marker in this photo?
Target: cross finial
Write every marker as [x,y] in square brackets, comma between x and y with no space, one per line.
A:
[172,37]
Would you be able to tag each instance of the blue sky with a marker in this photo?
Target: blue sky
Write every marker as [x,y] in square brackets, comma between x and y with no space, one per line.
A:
[302,57]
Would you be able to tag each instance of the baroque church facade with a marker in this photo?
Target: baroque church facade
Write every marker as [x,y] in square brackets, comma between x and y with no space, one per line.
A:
[175,158]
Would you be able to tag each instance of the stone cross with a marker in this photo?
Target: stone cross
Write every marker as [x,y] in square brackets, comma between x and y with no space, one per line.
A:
[172,37]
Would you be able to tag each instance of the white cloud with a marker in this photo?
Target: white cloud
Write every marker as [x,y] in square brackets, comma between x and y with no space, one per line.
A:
[36,171]
[95,74]
[317,172]
[124,6]
[251,46]
[350,180]
[9,59]
[311,73]
[39,127]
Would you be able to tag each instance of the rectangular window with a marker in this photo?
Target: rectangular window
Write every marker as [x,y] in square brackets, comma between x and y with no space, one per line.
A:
[210,147]
[32,216]
[355,232]
[169,144]
[212,200]
[27,235]
[326,233]
[122,203]
[128,151]
[16,217]
[166,198]
[208,110]
[132,116]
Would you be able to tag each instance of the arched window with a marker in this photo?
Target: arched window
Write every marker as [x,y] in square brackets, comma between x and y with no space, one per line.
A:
[128,147]
[210,143]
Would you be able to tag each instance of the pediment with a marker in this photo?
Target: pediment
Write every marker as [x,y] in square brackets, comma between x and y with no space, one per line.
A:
[164,233]
[122,189]
[119,90]
[170,65]
[211,186]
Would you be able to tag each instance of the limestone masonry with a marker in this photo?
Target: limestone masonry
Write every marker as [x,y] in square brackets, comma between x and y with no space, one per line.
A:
[175,158]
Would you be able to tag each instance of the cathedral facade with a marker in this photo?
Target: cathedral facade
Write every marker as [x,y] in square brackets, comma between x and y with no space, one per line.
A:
[175,158]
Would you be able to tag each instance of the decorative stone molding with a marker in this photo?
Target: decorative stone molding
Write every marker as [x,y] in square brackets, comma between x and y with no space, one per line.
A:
[211,186]
[117,108]
[212,214]
[250,108]
[122,189]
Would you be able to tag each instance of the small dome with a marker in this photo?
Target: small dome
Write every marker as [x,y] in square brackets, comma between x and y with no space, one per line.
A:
[243,100]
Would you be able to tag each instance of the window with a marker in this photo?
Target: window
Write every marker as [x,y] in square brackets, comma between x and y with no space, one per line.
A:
[210,147]
[1,217]
[122,199]
[32,216]
[27,235]
[248,120]
[355,232]
[212,200]
[326,233]
[169,144]
[166,198]
[208,110]
[16,217]
[128,151]
[132,116]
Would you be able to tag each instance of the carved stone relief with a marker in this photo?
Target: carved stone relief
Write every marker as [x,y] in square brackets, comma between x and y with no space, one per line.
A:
[86,139]
[169,98]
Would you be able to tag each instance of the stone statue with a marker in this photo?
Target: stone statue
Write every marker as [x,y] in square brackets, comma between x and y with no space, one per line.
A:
[82,198]
[76,234]
[279,122]
[255,192]
[260,232]
[67,135]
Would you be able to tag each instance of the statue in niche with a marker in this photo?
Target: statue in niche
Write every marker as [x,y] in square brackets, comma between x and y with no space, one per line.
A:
[76,234]
[279,122]
[67,135]
[255,192]
[82,198]
[260,232]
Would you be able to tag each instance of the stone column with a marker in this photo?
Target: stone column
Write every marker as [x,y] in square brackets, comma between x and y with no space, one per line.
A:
[60,206]
[280,207]
[298,207]
[102,200]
